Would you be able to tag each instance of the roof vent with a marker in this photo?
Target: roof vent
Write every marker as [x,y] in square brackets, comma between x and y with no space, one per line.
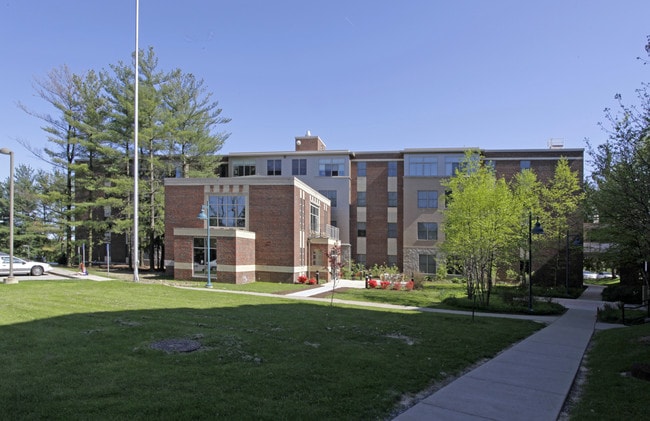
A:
[308,133]
[555,143]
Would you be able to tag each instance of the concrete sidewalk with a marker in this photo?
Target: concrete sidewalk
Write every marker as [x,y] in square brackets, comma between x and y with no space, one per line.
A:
[328,287]
[529,381]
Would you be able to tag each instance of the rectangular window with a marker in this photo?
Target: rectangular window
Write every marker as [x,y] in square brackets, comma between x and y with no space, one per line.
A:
[427,263]
[392,230]
[361,199]
[392,199]
[427,199]
[423,166]
[392,260]
[361,229]
[427,231]
[227,211]
[524,165]
[361,259]
[331,195]
[361,169]
[314,219]
[331,167]
[451,166]
[200,252]
[243,167]
[273,167]
[392,168]
[298,167]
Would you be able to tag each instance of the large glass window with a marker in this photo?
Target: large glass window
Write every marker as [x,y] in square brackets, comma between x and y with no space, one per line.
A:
[361,199]
[331,195]
[451,166]
[200,250]
[423,166]
[228,211]
[427,199]
[427,231]
[299,166]
[273,167]
[243,167]
[524,165]
[331,167]
[361,169]
[314,220]
[392,199]
[392,168]
[427,263]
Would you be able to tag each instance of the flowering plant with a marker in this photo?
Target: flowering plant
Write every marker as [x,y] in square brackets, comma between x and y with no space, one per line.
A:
[397,285]
[372,283]
[312,281]
[409,285]
[384,284]
[302,279]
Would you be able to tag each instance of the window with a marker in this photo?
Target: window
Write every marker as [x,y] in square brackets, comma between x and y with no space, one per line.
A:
[392,260]
[273,167]
[392,199]
[392,169]
[427,231]
[199,267]
[361,199]
[392,230]
[361,229]
[361,169]
[451,166]
[314,219]
[331,167]
[227,211]
[427,199]
[361,259]
[298,167]
[524,165]
[331,195]
[423,166]
[243,167]
[427,263]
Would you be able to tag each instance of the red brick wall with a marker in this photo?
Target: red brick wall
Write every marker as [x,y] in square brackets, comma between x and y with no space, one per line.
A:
[182,206]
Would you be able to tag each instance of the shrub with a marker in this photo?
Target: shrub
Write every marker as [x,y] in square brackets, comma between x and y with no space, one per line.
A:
[372,283]
[397,286]
[384,284]
[302,279]
[625,293]
[312,281]
[409,285]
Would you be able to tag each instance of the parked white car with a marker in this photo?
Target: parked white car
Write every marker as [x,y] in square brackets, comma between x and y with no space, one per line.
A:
[589,275]
[23,267]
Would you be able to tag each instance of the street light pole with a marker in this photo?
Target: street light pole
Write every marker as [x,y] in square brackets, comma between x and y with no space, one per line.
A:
[10,279]
[536,230]
[204,215]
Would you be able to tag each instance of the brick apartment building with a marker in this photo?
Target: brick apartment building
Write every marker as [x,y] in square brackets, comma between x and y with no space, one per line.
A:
[386,206]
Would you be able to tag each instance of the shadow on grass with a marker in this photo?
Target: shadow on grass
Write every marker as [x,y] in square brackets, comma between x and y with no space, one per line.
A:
[259,358]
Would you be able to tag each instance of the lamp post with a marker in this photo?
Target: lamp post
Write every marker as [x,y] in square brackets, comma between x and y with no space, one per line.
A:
[531,230]
[204,215]
[10,279]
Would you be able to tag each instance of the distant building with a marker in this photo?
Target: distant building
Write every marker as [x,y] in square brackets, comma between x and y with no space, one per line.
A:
[385,205]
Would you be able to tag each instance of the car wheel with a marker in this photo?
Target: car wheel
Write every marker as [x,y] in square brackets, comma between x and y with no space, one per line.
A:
[37,271]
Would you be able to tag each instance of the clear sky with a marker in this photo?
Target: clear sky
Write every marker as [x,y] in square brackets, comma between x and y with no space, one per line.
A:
[364,75]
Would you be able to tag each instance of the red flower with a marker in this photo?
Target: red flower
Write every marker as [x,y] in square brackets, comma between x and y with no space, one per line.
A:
[312,281]
[372,283]
[409,285]
[302,279]
[384,284]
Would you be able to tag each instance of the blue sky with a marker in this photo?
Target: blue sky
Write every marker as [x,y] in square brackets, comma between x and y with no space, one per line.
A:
[366,75]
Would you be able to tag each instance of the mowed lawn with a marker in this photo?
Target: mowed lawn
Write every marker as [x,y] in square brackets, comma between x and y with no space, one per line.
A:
[82,350]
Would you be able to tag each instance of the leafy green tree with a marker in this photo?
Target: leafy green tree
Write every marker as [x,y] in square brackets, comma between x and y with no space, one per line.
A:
[621,185]
[480,224]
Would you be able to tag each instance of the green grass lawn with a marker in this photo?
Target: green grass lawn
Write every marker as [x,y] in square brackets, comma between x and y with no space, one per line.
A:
[82,350]
[610,392]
